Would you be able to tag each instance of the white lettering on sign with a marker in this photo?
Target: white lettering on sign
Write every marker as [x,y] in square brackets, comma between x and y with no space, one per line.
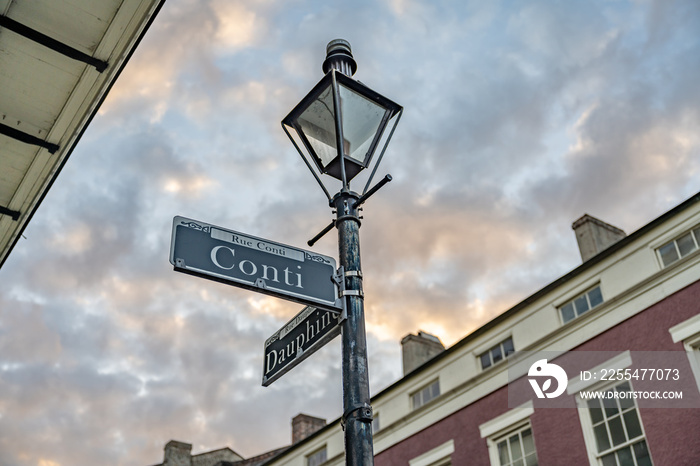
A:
[249,268]
[292,324]
[215,250]
[254,243]
[298,345]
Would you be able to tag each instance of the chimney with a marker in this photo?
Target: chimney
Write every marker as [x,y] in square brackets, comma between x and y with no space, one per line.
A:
[593,236]
[177,454]
[419,349]
[304,425]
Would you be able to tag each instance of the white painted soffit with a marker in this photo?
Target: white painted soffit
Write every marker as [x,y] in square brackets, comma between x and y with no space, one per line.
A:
[58,60]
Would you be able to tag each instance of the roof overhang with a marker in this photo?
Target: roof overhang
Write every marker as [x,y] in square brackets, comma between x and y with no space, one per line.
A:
[58,61]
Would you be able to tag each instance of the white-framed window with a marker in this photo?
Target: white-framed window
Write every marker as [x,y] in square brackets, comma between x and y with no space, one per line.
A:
[688,332]
[692,347]
[375,422]
[581,304]
[425,394]
[680,247]
[613,429]
[510,438]
[497,353]
[438,456]
[317,458]
[517,448]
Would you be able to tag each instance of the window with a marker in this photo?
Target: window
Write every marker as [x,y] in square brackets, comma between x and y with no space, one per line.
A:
[375,423]
[688,332]
[317,458]
[679,247]
[581,304]
[425,395]
[497,353]
[517,448]
[509,437]
[618,438]
[692,347]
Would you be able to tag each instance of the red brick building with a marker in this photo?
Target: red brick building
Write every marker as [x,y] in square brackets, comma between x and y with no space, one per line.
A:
[671,433]
[633,302]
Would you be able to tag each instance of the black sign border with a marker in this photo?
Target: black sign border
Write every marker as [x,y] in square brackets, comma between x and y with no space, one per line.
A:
[334,332]
[179,265]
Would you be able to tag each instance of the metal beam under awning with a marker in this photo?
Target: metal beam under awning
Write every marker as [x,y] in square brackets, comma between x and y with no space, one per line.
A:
[58,61]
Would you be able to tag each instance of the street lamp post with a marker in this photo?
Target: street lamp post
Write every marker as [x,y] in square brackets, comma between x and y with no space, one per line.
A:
[341,123]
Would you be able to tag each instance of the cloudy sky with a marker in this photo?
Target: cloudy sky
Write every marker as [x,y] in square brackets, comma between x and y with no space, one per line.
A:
[520,116]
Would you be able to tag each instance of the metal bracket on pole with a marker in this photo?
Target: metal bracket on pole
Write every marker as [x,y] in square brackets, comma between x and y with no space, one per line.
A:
[358,203]
[339,280]
[361,200]
[362,413]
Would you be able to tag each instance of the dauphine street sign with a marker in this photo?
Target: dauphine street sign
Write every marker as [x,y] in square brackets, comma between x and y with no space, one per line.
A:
[298,339]
[257,264]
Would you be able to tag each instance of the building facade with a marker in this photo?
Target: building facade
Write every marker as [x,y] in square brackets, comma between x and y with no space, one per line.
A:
[624,325]
[633,306]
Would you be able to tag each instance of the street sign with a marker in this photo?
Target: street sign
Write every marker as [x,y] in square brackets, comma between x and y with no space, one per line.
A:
[297,340]
[257,264]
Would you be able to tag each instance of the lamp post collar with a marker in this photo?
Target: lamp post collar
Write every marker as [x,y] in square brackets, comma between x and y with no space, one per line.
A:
[346,206]
[339,58]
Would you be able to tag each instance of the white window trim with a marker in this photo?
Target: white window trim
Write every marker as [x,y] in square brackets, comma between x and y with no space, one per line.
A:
[423,387]
[506,420]
[585,417]
[583,290]
[688,332]
[375,418]
[487,345]
[685,329]
[316,451]
[587,429]
[675,234]
[478,353]
[514,419]
[583,287]
[431,457]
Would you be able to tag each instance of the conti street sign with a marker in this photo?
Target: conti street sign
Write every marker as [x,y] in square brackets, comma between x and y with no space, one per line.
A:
[215,253]
[297,340]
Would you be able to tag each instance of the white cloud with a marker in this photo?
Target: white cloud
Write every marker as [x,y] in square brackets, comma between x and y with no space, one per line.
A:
[237,25]
[519,118]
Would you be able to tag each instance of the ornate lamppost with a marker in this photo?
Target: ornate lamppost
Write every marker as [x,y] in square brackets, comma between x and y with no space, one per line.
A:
[338,127]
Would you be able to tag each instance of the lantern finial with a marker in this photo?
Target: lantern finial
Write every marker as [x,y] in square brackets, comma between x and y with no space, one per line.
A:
[339,57]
